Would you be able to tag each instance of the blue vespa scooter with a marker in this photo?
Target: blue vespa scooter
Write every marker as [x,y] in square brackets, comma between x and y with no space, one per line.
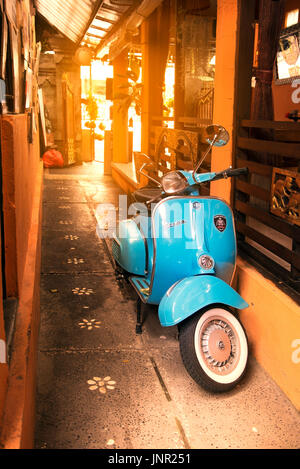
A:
[182,258]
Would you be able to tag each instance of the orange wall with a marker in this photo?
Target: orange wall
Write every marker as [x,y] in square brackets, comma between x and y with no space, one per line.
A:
[22,183]
[20,161]
[272,322]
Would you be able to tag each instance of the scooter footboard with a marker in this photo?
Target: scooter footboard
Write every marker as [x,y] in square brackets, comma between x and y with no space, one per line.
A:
[191,294]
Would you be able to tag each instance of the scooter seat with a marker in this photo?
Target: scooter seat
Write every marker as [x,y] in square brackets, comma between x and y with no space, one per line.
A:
[147,193]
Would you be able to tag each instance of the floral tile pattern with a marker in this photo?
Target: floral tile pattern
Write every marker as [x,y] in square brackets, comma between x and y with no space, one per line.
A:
[89,324]
[102,385]
[83,291]
[75,260]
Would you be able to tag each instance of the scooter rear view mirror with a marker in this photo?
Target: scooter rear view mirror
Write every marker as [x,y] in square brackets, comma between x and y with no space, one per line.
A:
[216,135]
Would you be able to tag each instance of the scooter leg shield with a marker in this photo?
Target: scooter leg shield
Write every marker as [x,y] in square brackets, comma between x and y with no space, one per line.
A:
[191,294]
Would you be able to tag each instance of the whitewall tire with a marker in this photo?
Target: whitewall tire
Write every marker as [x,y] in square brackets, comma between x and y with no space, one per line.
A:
[214,348]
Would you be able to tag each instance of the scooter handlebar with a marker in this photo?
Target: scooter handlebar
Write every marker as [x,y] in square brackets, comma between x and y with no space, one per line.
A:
[230,173]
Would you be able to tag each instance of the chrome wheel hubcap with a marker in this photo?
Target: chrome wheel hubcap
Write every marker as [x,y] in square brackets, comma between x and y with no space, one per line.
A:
[219,346]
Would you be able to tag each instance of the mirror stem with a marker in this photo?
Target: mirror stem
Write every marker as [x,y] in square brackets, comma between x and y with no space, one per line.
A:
[205,155]
[147,175]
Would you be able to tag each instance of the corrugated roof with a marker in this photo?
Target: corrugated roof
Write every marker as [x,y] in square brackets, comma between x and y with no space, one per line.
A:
[96,23]
[87,20]
[108,17]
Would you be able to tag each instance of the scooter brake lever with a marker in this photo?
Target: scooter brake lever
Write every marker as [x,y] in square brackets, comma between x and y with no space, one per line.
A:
[149,202]
[147,175]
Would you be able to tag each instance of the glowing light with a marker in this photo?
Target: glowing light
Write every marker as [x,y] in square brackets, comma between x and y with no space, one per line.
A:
[168,95]
[292,17]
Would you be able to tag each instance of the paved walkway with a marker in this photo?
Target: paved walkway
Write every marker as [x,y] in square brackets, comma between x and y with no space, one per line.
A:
[102,386]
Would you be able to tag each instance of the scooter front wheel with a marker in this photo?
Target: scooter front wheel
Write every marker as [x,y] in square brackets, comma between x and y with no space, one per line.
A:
[214,349]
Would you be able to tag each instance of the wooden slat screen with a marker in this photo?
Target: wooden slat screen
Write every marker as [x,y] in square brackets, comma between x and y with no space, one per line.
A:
[271,241]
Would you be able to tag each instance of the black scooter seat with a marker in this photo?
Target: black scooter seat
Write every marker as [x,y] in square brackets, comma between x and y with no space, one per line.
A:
[147,193]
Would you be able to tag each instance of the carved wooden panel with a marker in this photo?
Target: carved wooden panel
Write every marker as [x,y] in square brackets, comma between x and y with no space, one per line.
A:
[285,195]
[175,148]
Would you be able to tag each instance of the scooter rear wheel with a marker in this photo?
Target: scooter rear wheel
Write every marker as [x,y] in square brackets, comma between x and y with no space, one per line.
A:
[214,349]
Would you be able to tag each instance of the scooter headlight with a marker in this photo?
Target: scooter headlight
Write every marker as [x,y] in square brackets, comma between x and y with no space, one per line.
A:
[174,182]
[206,262]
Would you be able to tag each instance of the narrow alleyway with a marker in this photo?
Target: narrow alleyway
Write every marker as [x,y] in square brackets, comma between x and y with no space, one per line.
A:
[102,386]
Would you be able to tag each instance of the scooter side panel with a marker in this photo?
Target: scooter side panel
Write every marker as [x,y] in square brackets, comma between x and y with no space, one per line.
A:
[129,248]
[191,294]
[183,229]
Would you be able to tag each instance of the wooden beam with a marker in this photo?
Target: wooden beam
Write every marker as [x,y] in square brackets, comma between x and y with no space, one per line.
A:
[105,20]
[99,28]
[255,167]
[253,190]
[278,249]
[97,6]
[268,146]
[268,219]
[116,27]
[278,125]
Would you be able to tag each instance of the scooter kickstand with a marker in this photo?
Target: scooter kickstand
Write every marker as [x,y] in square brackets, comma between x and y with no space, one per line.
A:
[138,327]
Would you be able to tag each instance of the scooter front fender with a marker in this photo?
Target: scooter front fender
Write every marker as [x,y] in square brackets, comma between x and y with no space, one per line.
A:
[191,294]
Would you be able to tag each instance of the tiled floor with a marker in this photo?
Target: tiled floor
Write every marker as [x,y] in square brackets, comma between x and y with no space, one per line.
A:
[102,386]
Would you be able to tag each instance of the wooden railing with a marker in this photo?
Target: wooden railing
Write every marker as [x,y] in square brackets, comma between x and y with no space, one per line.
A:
[188,123]
[205,105]
[272,241]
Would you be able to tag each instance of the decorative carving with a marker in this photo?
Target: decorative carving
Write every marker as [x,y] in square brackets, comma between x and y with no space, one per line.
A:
[178,148]
[285,195]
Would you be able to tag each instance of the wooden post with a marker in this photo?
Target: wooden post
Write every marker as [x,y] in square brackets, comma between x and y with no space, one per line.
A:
[243,92]
[234,59]
[146,91]
[155,44]
[120,113]
[179,68]
[151,97]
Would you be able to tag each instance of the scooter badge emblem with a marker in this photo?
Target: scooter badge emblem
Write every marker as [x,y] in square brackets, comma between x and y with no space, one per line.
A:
[220,222]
